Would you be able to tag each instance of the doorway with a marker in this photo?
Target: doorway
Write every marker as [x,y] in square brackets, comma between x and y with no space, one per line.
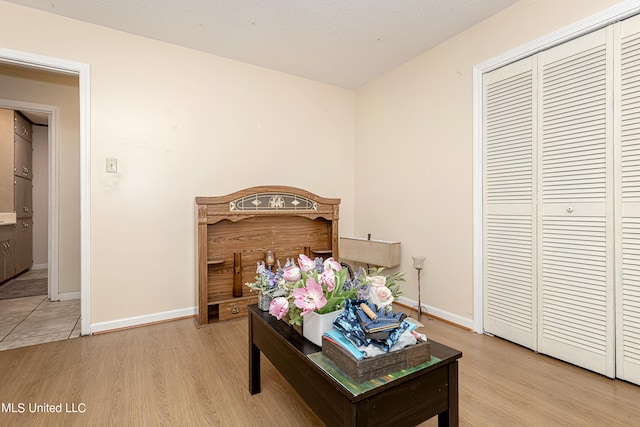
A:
[57,67]
[47,116]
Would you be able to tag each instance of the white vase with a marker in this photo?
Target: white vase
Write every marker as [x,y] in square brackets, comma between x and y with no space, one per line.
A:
[315,325]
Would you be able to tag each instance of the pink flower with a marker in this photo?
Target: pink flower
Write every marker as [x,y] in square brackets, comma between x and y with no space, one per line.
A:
[279,307]
[328,278]
[306,264]
[291,274]
[331,263]
[309,298]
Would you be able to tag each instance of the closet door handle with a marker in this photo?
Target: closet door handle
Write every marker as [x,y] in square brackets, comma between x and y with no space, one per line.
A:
[569,209]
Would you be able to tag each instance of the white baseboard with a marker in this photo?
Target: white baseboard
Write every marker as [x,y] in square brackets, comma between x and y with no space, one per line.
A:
[445,315]
[191,311]
[142,320]
[39,267]
[69,295]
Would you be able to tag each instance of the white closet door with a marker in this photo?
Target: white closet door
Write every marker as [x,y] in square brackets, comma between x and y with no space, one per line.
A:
[576,203]
[509,213]
[628,195]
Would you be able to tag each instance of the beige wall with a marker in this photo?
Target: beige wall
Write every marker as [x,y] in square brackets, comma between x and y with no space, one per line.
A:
[18,84]
[414,148]
[183,124]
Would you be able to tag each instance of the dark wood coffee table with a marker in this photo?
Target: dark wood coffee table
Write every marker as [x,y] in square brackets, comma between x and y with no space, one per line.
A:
[404,401]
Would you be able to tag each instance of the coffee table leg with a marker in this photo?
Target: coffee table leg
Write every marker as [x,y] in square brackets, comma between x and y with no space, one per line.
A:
[451,416]
[254,361]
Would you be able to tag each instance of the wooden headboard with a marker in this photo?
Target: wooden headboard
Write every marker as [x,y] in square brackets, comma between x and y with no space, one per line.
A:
[235,230]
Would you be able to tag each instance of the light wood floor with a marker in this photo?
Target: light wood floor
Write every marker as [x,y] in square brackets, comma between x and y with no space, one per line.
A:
[174,374]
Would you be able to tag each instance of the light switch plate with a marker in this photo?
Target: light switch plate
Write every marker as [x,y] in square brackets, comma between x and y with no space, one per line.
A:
[112,165]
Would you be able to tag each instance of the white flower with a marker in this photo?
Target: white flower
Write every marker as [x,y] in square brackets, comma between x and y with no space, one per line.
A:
[383,296]
[380,294]
[377,281]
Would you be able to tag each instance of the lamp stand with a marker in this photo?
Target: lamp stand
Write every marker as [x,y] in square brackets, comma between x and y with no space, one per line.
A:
[420,308]
[419,299]
[418,264]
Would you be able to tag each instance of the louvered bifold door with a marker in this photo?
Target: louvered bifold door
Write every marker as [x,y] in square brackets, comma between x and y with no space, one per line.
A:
[628,196]
[508,208]
[575,290]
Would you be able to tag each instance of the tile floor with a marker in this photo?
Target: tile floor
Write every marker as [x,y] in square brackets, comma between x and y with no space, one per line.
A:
[36,320]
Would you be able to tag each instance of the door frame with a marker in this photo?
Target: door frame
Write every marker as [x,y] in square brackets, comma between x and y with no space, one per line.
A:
[56,65]
[584,26]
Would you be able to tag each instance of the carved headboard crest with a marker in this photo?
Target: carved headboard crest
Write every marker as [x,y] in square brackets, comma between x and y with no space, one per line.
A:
[267,200]
[271,201]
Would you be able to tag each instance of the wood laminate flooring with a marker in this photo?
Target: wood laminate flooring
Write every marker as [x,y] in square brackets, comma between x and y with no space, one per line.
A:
[174,374]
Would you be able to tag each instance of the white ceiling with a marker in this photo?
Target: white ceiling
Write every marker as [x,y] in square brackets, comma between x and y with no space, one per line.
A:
[346,43]
[36,117]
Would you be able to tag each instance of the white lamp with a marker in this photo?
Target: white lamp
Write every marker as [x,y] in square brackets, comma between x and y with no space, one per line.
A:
[418,264]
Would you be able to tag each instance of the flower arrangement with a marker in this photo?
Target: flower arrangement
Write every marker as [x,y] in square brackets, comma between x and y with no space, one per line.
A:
[321,286]
[266,280]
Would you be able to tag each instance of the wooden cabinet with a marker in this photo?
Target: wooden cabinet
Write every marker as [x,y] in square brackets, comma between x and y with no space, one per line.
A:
[234,231]
[23,190]
[7,160]
[16,185]
[24,244]
[22,127]
[23,157]
[7,252]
